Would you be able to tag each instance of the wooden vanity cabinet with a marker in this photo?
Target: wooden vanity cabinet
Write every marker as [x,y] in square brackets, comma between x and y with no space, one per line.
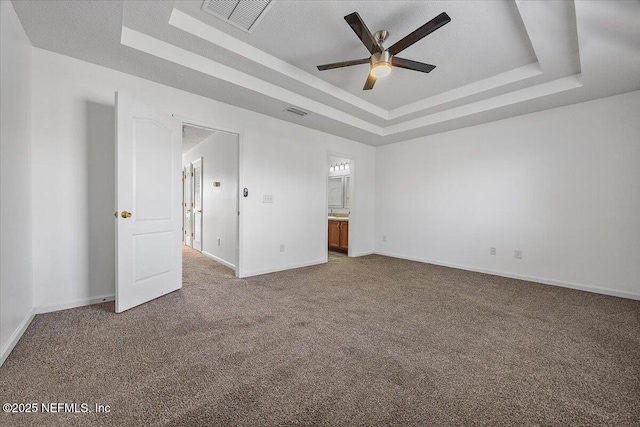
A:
[339,236]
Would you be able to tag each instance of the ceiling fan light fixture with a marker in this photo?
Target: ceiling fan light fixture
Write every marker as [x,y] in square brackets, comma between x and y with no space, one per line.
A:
[380,64]
[381,70]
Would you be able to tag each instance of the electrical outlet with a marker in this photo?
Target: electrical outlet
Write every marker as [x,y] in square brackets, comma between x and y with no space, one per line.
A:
[517,254]
[267,198]
[218,242]
[492,251]
[281,247]
[384,238]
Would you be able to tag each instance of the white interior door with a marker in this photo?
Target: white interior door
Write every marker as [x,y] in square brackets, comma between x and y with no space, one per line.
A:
[148,225]
[196,167]
[188,207]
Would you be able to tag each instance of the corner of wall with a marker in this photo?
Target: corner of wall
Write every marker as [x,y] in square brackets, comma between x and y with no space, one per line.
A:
[16,252]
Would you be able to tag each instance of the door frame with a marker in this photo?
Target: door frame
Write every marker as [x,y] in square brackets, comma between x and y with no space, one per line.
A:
[352,202]
[184,200]
[239,200]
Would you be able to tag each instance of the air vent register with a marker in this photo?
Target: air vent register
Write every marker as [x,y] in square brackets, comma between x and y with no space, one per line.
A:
[244,14]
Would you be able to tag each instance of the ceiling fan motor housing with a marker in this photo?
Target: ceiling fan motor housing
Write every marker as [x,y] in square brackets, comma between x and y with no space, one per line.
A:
[381,36]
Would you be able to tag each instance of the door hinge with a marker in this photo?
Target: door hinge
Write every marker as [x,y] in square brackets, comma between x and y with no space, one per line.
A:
[191,234]
[191,173]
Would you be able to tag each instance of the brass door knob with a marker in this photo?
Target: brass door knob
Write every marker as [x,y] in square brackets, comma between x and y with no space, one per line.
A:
[199,210]
[125,214]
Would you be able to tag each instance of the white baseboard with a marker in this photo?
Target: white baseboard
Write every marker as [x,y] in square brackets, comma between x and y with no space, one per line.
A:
[17,334]
[363,254]
[220,260]
[284,268]
[73,304]
[542,280]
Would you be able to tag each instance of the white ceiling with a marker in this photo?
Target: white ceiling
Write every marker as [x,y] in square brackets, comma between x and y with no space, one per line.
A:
[194,135]
[310,33]
[495,59]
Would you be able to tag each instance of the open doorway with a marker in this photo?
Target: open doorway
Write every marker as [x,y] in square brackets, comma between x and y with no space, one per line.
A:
[339,205]
[210,192]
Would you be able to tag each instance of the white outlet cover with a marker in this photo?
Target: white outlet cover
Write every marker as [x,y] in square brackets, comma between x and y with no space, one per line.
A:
[267,198]
[517,254]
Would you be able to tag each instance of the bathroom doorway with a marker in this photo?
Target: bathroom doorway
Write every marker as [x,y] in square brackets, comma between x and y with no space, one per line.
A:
[340,196]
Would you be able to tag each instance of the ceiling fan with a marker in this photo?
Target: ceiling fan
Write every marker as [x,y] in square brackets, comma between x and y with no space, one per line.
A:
[381,59]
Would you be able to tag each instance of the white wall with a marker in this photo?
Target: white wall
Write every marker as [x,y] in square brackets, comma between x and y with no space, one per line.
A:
[73,117]
[16,268]
[219,155]
[562,185]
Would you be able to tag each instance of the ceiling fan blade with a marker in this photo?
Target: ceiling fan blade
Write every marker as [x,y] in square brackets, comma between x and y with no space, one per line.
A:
[357,25]
[420,33]
[368,85]
[343,64]
[412,65]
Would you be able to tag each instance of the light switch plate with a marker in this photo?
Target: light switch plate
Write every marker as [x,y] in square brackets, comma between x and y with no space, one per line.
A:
[267,198]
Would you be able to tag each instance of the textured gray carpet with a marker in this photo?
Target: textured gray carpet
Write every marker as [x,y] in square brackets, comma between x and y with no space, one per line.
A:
[366,341]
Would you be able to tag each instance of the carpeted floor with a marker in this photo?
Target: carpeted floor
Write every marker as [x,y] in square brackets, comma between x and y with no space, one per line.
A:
[365,341]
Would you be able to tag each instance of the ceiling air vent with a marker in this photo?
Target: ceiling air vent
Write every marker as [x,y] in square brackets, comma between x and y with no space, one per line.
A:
[296,111]
[244,14]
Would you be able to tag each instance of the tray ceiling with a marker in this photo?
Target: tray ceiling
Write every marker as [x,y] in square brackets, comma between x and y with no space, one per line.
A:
[495,59]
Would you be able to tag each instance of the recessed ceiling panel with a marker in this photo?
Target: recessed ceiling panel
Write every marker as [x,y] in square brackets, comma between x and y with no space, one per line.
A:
[486,65]
[483,39]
